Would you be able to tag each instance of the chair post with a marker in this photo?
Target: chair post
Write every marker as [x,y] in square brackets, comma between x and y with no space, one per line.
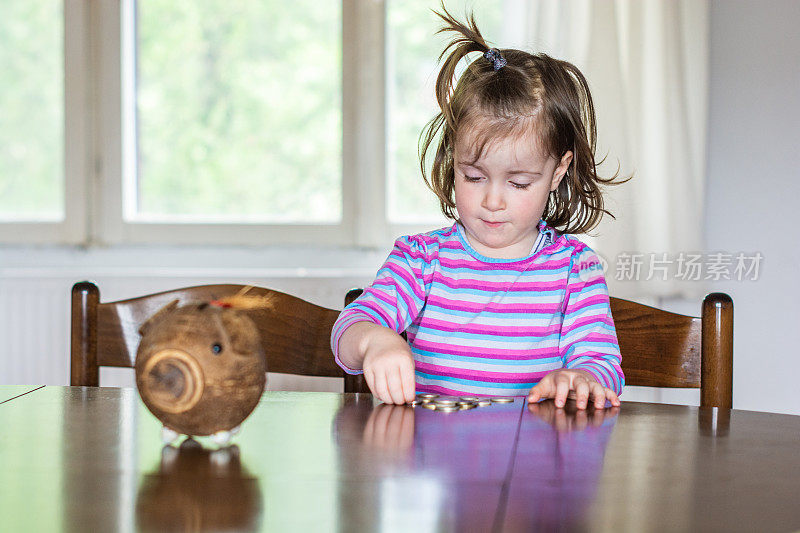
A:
[351,295]
[716,359]
[83,357]
[355,383]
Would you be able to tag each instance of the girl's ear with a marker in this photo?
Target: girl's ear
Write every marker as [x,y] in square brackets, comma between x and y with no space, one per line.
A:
[561,170]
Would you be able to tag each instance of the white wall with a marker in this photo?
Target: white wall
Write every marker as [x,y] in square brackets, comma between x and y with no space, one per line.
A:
[753,184]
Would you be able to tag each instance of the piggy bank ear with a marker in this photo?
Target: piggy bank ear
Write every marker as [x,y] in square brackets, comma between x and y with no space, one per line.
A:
[161,313]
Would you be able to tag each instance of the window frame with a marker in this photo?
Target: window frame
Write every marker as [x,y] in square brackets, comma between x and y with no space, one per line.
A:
[98,108]
[72,229]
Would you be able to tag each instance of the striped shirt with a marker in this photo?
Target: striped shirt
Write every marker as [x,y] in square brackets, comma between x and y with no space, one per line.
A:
[487,326]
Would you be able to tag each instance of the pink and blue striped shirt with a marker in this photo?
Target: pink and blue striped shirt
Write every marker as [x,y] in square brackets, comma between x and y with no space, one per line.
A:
[486,326]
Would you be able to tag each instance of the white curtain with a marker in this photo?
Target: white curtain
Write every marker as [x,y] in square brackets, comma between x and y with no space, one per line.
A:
[647,66]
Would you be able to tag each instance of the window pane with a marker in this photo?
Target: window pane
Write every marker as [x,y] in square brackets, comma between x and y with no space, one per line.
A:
[31,110]
[411,57]
[239,111]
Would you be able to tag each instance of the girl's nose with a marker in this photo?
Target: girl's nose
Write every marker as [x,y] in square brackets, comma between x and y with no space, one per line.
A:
[493,200]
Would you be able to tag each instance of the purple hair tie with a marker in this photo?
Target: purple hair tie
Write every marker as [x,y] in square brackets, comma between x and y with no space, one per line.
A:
[493,55]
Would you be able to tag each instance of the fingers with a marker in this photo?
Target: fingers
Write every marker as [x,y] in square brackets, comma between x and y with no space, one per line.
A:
[599,394]
[369,375]
[535,394]
[395,386]
[390,377]
[582,388]
[380,388]
[408,383]
[562,390]
[612,397]
[400,384]
[580,385]
[543,389]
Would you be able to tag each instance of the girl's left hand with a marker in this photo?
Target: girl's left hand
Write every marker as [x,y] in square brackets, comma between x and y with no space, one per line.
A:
[578,384]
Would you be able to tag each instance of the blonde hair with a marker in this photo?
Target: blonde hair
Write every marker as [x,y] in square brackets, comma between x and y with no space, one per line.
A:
[531,91]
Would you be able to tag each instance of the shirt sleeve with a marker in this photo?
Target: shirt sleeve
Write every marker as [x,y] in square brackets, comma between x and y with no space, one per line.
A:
[588,337]
[396,296]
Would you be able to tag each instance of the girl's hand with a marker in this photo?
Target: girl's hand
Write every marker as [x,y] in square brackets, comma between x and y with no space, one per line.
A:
[578,384]
[389,366]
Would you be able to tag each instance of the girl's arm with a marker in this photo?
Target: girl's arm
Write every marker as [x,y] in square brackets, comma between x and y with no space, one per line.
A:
[588,338]
[366,336]
[385,358]
[588,345]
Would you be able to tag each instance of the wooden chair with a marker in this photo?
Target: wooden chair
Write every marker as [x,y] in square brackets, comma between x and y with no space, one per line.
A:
[295,333]
[663,349]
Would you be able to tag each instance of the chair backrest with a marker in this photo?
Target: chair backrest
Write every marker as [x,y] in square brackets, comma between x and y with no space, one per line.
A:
[663,349]
[295,333]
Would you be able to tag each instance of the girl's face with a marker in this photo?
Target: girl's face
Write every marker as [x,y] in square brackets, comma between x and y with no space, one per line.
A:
[500,197]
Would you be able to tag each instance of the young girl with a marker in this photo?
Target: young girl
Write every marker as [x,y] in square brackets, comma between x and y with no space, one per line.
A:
[499,303]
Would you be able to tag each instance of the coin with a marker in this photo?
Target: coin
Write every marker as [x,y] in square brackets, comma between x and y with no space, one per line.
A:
[483,402]
[470,398]
[427,395]
[429,405]
[462,403]
[446,402]
[415,402]
[502,399]
[446,408]
[464,406]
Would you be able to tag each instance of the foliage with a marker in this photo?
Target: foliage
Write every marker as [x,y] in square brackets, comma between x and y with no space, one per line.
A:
[31,109]
[239,109]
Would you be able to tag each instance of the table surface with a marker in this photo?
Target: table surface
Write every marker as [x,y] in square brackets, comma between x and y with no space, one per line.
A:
[91,459]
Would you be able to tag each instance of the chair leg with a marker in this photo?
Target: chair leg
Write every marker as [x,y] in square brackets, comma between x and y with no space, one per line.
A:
[83,357]
[716,367]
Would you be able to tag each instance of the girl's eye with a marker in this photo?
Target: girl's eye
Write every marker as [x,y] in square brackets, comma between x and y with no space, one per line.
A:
[520,185]
[472,178]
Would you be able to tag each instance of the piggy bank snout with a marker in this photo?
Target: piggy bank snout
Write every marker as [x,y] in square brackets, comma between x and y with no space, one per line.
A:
[173,381]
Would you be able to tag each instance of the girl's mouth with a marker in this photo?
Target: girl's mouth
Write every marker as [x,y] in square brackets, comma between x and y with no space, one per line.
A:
[492,224]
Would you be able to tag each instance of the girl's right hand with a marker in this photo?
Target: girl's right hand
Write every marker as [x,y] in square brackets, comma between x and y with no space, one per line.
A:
[389,366]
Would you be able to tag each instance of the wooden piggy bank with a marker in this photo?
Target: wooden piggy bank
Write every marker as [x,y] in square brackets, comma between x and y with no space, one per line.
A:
[200,369]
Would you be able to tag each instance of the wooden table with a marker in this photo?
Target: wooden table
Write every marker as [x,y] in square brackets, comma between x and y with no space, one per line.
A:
[90,459]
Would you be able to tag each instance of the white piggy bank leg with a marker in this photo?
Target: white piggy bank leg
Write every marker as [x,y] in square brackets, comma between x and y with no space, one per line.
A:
[169,454]
[222,438]
[168,436]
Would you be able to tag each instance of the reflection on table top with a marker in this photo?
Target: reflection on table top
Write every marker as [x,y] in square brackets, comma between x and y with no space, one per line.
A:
[91,459]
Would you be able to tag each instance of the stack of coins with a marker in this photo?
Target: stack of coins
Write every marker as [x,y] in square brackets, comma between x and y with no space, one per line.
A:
[449,404]
[502,399]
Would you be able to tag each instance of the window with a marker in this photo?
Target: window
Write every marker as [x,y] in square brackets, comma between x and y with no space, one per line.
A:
[218,122]
[238,112]
[31,137]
